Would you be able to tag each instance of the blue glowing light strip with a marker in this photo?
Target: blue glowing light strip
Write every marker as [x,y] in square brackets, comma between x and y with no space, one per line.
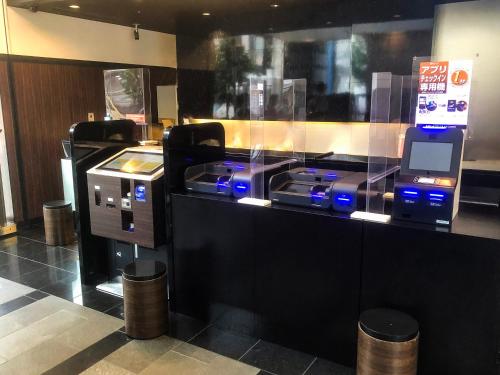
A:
[318,196]
[436,195]
[241,187]
[410,192]
[343,199]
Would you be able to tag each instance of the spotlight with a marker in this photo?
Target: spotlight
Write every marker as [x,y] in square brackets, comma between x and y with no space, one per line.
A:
[74,6]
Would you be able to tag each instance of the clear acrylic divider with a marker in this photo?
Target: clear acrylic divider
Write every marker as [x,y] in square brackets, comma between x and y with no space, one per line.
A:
[385,131]
[299,130]
[257,139]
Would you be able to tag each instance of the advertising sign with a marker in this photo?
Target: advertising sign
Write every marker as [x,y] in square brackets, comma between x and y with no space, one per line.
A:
[444,94]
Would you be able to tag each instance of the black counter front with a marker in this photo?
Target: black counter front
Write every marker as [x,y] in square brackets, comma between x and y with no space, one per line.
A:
[301,277]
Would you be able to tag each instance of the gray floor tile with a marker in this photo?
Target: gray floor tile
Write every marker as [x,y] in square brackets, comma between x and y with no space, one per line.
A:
[277,359]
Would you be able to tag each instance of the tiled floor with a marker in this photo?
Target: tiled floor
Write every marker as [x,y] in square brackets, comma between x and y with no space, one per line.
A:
[50,323]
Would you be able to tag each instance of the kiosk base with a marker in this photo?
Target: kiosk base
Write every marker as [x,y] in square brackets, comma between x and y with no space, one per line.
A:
[113,287]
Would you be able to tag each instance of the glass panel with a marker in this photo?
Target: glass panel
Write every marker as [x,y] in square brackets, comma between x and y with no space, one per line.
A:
[385,131]
[257,110]
[299,130]
[128,96]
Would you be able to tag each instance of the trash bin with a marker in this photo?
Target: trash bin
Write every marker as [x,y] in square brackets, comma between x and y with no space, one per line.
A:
[145,299]
[387,343]
[58,222]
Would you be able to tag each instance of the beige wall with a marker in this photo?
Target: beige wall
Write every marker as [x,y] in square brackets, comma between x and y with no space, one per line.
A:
[49,35]
[471,30]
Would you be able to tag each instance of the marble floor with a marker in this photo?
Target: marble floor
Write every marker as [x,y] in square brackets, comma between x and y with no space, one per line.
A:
[51,324]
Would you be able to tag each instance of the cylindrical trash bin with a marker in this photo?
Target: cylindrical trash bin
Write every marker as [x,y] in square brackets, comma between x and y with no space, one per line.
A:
[58,222]
[145,299]
[387,343]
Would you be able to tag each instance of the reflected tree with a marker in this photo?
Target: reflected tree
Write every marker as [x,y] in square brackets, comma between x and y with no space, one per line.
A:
[232,66]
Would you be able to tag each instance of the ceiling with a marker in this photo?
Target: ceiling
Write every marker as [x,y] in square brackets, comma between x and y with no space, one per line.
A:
[235,16]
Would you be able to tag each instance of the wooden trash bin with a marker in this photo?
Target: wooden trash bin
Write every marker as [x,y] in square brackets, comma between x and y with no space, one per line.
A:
[58,222]
[145,299]
[387,343]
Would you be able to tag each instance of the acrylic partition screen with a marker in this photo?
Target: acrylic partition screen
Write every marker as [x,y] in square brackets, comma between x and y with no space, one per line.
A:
[128,96]
[275,105]
[257,144]
[385,137]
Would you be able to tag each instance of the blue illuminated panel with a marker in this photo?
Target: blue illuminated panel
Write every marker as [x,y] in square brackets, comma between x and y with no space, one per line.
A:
[223,183]
[438,197]
[241,187]
[410,193]
[343,199]
[140,193]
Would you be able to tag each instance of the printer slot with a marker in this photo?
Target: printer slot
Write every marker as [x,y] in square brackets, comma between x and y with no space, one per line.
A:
[128,221]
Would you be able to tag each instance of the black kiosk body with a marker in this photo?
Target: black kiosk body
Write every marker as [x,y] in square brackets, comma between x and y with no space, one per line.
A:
[428,187]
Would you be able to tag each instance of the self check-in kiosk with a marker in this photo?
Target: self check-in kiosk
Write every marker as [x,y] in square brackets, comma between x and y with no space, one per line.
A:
[318,188]
[232,178]
[126,197]
[428,187]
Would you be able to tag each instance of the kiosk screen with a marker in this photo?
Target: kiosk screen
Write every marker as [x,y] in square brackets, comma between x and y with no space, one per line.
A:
[135,163]
[431,156]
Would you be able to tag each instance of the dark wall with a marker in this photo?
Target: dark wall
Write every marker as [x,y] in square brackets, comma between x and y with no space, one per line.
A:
[337,62]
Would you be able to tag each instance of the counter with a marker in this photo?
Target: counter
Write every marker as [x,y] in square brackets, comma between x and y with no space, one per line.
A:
[301,277]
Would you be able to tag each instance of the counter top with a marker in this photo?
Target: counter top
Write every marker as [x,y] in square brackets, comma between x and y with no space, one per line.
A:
[472,220]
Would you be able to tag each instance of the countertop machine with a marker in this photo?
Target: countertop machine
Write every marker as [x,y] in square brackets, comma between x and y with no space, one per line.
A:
[232,178]
[428,187]
[319,188]
[126,197]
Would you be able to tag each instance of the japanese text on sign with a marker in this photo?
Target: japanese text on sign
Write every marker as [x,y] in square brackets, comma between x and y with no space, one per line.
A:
[433,77]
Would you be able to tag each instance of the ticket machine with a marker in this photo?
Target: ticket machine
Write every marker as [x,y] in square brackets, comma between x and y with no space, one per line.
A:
[428,187]
[231,178]
[126,197]
[319,188]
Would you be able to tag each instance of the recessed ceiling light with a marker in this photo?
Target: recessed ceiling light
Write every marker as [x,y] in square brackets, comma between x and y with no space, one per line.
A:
[74,6]
[206,14]
[274,5]
[329,22]
[397,16]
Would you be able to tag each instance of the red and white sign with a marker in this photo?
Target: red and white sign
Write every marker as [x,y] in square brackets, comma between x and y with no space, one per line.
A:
[140,119]
[444,93]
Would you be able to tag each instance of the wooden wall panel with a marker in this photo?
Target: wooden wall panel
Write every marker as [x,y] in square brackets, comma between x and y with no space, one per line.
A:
[49,98]
[15,183]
